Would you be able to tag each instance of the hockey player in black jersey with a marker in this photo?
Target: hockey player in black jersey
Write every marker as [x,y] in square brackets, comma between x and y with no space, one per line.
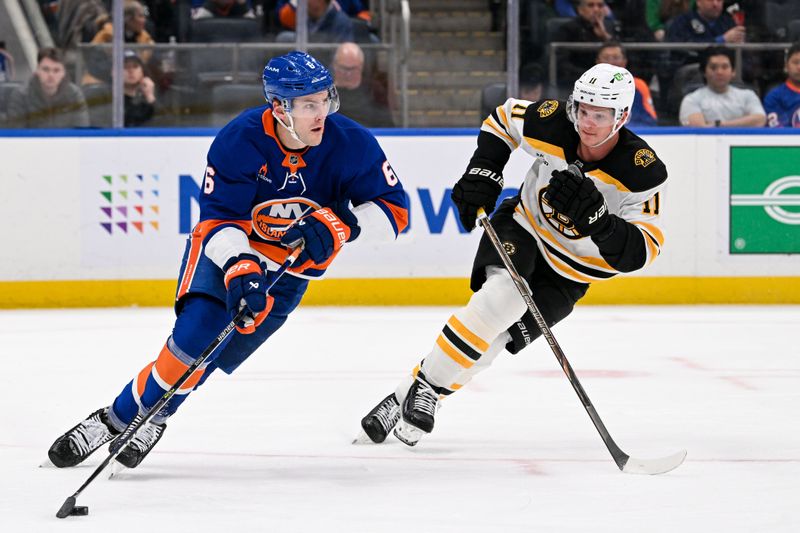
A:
[588,210]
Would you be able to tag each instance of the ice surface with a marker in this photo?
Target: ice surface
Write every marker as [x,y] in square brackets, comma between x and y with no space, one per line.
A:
[269,448]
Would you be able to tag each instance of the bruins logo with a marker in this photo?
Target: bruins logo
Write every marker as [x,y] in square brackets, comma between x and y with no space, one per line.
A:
[510,248]
[557,221]
[547,108]
[644,157]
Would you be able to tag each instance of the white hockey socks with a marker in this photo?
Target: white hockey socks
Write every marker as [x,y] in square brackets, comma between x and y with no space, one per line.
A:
[473,336]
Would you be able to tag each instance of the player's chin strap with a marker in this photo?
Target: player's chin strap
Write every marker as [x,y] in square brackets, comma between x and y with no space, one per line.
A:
[618,126]
[290,127]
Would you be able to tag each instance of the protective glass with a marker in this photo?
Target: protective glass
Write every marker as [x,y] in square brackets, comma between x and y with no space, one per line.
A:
[314,106]
[600,117]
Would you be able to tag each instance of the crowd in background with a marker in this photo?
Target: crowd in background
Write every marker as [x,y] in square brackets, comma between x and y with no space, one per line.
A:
[71,84]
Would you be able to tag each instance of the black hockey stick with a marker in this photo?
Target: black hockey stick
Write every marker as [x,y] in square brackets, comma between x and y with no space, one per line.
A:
[68,508]
[625,462]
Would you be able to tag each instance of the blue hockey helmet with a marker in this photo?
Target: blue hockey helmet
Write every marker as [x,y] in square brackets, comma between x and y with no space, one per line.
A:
[297,74]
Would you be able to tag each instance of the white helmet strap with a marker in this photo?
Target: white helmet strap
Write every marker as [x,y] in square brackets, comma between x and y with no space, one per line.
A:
[290,126]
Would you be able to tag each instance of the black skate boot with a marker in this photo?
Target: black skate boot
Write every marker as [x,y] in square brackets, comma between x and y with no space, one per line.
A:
[83,440]
[419,409]
[140,445]
[380,421]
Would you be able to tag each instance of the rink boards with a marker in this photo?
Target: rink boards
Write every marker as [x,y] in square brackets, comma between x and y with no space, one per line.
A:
[100,218]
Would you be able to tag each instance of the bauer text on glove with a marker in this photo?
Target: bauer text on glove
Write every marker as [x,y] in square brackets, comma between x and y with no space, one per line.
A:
[480,186]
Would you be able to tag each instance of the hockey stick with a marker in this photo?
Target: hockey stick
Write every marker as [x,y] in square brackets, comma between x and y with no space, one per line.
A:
[625,462]
[68,508]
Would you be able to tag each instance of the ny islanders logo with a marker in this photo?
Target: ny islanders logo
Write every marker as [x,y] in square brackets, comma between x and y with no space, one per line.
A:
[271,219]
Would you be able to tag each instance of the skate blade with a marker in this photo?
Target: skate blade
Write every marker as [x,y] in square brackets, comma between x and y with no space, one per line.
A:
[116,469]
[408,434]
[362,438]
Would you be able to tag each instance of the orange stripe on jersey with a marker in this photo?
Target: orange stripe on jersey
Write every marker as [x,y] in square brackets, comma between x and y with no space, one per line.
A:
[608,179]
[652,249]
[141,379]
[547,148]
[454,386]
[506,123]
[647,98]
[567,270]
[268,123]
[554,261]
[287,16]
[462,330]
[196,239]
[400,215]
[657,234]
[170,369]
[490,122]
[453,353]
[595,262]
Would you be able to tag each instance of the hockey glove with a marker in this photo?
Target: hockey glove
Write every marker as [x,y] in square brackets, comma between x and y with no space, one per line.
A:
[480,186]
[323,233]
[247,287]
[575,196]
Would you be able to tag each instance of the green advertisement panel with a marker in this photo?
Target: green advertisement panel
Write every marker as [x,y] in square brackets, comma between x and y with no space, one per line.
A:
[765,200]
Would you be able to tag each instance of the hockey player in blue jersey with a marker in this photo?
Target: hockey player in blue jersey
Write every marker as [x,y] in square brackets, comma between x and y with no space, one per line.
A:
[277,177]
[782,104]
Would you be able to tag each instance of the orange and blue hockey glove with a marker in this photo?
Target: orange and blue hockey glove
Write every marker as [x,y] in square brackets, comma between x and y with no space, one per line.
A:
[247,287]
[323,233]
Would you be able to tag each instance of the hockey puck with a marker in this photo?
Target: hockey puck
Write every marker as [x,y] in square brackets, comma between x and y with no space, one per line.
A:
[79,510]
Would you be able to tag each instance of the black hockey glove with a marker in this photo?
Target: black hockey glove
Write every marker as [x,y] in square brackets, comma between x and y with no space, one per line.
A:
[575,196]
[480,186]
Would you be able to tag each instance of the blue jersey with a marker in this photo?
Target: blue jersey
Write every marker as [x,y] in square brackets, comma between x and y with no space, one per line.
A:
[782,105]
[257,185]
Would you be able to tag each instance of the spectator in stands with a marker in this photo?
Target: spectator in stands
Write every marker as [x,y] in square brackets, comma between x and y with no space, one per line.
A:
[357,99]
[564,8]
[224,8]
[590,26]
[6,63]
[531,82]
[706,23]
[718,103]
[326,23]
[782,104]
[49,99]
[287,11]
[99,61]
[643,113]
[660,12]
[139,90]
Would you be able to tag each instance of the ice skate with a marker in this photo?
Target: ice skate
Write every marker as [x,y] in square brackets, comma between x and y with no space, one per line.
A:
[74,446]
[382,419]
[140,445]
[419,409]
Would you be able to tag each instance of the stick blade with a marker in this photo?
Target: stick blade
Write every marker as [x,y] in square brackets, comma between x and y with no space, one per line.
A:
[66,508]
[654,467]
